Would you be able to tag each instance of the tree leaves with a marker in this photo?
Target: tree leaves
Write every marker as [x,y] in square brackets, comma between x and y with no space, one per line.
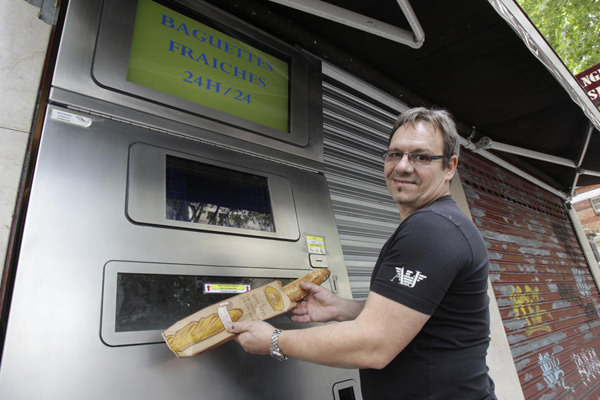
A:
[571,27]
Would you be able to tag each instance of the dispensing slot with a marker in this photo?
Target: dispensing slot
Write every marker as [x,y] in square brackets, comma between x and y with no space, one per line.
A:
[346,390]
[142,299]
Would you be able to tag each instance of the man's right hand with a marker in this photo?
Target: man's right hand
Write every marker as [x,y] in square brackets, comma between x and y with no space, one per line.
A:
[321,305]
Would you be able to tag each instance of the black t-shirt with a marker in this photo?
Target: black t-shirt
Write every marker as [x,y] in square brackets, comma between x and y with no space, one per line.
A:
[436,263]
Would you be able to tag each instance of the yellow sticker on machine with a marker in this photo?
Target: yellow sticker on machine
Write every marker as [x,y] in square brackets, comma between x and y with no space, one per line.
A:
[226,288]
[316,244]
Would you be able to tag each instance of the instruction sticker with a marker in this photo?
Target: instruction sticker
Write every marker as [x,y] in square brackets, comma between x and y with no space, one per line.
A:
[226,288]
[70,118]
[316,244]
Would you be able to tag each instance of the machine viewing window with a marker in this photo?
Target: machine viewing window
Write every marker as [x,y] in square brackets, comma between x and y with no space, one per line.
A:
[208,194]
[141,299]
[156,301]
[183,57]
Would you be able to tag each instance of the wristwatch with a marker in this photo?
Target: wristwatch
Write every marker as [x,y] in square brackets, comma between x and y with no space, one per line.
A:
[275,351]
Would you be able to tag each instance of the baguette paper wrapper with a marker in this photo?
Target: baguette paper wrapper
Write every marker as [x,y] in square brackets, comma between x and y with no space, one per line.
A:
[204,329]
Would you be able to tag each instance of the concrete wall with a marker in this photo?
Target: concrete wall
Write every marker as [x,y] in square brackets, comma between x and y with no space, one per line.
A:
[23,44]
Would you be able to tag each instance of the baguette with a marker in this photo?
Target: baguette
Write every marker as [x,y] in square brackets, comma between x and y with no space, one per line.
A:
[294,290]
[197,331]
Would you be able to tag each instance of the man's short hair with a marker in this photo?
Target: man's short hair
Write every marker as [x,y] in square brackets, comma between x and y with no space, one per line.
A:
[440,119]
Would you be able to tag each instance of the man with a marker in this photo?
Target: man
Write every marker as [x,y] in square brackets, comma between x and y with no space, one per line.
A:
[423,331]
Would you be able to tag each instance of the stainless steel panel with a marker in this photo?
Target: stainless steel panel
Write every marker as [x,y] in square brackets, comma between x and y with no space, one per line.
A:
[92,63]
[77,223]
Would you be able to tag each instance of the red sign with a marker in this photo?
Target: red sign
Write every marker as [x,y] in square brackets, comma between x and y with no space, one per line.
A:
[590,80]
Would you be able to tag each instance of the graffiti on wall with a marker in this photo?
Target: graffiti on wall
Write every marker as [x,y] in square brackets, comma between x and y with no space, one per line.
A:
[586,361]
[553,374]
[585,290]
[588,365]
[582,286]
[526,307]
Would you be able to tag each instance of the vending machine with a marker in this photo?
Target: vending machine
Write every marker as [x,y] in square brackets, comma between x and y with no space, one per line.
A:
[180,163]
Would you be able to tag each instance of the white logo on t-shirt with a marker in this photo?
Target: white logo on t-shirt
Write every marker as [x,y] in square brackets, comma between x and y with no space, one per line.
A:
[408,278]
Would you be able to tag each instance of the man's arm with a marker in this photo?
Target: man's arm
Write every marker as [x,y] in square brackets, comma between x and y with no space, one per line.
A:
[381,331]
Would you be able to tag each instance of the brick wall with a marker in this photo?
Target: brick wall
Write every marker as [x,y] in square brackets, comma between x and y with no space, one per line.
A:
[585,212]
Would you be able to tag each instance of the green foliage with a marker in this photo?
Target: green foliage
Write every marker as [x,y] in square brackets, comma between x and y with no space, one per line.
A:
[571,27]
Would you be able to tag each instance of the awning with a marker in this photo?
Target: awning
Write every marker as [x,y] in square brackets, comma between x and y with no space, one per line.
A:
[482,60]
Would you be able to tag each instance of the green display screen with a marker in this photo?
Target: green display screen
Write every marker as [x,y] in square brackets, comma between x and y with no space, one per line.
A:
[182,57]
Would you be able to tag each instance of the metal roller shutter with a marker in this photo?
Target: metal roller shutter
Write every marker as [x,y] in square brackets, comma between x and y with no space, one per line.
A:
[355,131]
[547,297]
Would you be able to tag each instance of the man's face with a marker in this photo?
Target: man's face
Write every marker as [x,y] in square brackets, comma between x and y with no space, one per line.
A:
[413,187]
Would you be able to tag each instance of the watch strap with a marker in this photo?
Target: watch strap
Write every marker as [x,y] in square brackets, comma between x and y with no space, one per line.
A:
[275,351]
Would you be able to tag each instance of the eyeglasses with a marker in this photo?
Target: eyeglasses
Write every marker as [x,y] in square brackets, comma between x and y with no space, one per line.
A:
[417,158]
